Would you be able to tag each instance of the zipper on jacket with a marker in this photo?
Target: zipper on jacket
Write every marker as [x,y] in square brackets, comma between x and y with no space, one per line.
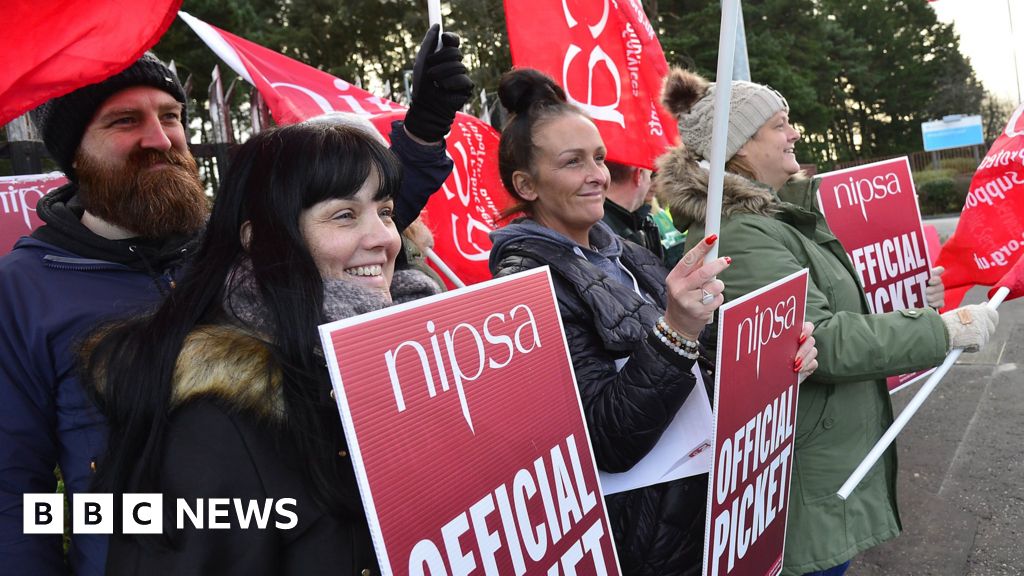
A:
[80,264]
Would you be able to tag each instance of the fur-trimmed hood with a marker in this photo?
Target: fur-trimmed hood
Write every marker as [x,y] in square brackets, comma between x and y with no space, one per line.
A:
[232,362]
[682,187]
[227,362]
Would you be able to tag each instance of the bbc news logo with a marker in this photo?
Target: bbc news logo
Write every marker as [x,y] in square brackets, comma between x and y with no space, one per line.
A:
[143,513]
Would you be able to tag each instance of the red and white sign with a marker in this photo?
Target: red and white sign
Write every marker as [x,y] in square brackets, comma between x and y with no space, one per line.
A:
[989,236]
[756,397]
[463,418]
[473,196]
[606,56]
[18,198]
[873,211]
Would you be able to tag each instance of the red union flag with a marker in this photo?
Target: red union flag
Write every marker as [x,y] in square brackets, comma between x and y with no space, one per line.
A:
[52,47]
[873,211]
[294,91]
[470,202]
[756,396]
[18,198]
[606,56]
[464,421]
[1012,281]
[990,233]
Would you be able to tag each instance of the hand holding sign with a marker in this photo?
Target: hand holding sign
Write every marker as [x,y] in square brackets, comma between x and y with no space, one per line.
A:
[694,291]
[935,290]
[806,361]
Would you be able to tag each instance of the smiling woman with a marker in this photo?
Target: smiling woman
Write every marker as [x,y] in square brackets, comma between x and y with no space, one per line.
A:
[354,239]
[844,407]
[634,329]
[301,233]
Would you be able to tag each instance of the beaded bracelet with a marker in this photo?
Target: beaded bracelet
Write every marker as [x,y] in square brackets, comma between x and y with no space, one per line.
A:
[674,341]
[675,336]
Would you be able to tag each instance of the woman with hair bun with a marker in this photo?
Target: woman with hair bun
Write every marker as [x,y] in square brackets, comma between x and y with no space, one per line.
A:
[635,330]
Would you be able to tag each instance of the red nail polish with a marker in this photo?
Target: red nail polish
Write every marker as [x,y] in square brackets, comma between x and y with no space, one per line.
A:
[797,364]
[711,239]
[803,338]
[728,260]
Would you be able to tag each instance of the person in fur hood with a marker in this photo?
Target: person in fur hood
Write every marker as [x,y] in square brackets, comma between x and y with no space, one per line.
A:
[636,331]
[844,406]
[223,391]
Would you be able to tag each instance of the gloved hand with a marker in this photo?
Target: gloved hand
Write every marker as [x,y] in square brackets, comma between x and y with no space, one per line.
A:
[935,290]
[970,327]
[440,87]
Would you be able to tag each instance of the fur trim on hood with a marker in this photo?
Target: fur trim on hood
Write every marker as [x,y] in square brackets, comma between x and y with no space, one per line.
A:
[230,362]
[682,187]
[227,362]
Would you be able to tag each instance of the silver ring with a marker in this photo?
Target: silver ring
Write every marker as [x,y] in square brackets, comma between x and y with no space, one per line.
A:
[706,297]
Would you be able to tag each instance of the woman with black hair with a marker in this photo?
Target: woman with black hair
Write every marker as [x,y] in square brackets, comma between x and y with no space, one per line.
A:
[635,330]
[223,392]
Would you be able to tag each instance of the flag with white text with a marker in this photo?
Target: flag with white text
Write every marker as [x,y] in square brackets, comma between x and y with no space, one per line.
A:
[989,236]
[606,56]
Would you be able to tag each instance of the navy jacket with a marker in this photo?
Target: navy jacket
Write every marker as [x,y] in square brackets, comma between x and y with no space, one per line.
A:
[49,299]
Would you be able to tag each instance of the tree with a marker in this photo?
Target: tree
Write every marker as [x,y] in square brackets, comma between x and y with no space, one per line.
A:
[371,43]
[995,113]
[860,76]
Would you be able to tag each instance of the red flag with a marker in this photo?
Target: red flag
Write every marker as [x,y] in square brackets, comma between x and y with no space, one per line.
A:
[1012,280]
[55,46]
[608,59]
[294,91]
[990,234]
[470,202]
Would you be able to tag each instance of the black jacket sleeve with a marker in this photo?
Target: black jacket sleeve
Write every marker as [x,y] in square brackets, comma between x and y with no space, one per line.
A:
[425,168]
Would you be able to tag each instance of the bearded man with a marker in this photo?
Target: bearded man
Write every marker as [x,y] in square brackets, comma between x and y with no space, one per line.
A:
[114,240]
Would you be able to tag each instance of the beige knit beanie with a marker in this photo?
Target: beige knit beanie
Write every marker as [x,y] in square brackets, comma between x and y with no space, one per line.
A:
[691,99]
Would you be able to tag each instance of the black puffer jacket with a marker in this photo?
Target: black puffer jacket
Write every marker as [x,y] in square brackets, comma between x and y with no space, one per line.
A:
[659,530]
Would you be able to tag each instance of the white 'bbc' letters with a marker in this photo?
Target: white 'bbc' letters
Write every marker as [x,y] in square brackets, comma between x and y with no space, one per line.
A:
[92,513]
[43,514]
[142,514]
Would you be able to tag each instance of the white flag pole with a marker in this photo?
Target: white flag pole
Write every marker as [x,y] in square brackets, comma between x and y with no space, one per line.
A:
[444,268]
[720,129]
[434,17]
[908,412]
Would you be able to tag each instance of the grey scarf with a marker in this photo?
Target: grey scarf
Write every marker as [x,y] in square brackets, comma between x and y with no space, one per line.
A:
[244,305]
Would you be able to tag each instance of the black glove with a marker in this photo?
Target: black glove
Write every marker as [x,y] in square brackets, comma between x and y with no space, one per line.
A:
[440,87]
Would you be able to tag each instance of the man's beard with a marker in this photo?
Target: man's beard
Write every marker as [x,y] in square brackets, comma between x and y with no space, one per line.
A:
[150,203]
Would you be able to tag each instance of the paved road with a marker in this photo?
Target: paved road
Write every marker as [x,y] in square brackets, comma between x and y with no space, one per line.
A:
[961,486]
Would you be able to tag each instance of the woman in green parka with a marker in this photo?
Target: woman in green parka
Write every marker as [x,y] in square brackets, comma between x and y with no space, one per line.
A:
[844,406]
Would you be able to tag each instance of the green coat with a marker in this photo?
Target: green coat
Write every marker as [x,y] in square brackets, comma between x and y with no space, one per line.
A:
[844,407]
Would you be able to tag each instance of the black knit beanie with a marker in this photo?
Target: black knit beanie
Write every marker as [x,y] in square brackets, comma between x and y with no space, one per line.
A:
[63,120]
